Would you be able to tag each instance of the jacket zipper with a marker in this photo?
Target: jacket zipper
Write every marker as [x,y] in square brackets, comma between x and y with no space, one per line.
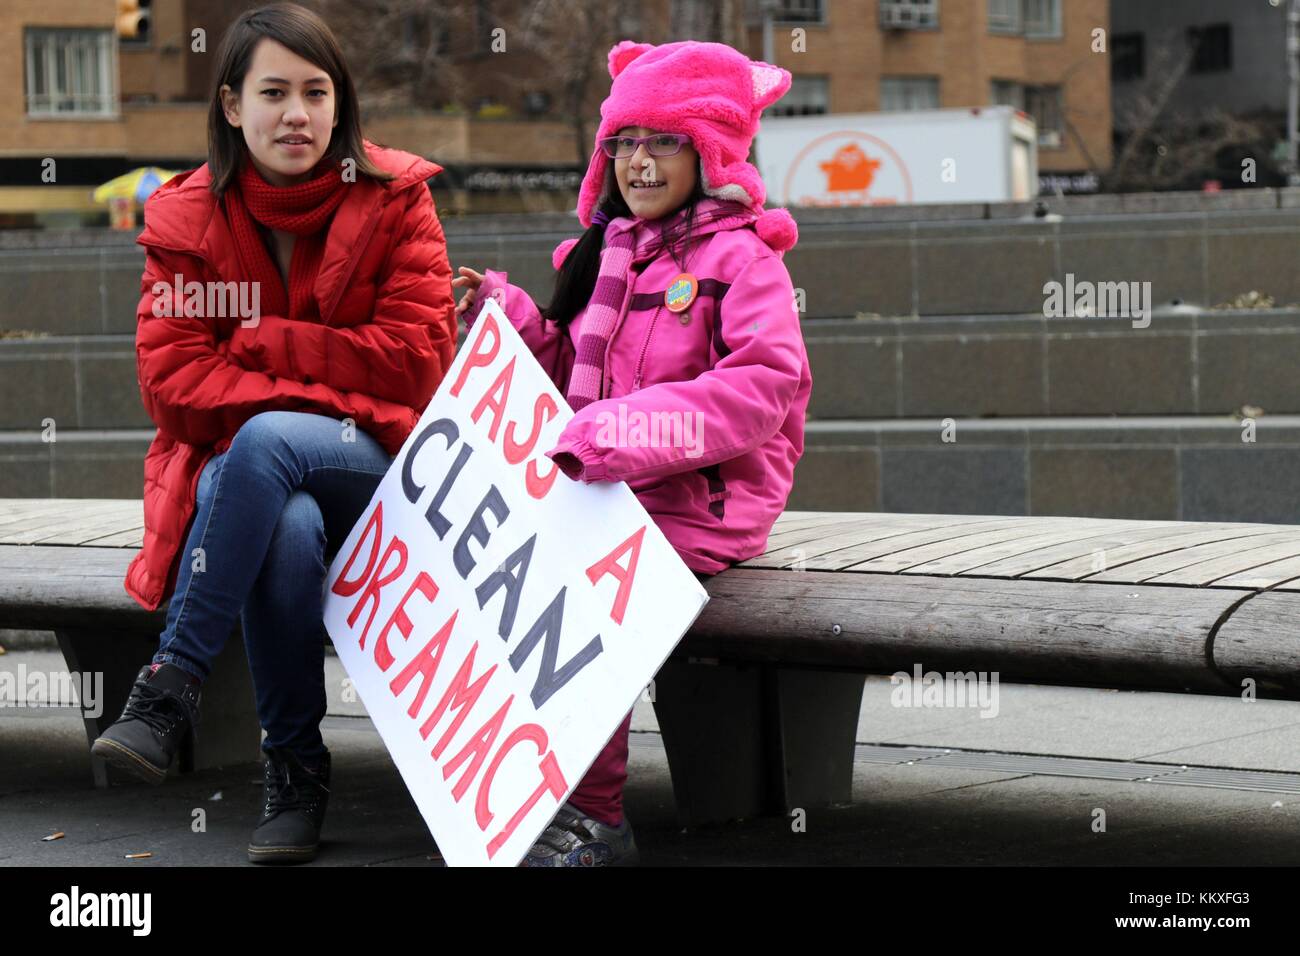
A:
[640,364]
[327,315]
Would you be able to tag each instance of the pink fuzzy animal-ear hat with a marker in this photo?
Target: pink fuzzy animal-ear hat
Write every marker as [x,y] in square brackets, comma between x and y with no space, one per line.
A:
[710,92]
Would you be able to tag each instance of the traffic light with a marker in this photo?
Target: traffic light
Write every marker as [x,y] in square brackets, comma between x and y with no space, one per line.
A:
[133,19]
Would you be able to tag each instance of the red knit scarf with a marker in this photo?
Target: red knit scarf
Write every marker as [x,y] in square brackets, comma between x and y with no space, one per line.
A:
[302,210]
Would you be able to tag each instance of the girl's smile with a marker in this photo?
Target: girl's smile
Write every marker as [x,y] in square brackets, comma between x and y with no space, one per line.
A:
[654,186]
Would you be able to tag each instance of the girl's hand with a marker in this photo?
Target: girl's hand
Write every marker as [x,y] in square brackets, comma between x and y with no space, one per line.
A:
[470,280]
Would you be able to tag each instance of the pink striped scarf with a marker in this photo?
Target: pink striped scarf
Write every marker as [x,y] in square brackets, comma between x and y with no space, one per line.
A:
[630,240]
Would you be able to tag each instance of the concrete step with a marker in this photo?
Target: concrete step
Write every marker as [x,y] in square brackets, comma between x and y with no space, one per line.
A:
[78,381]
[947,267]
[87,463]
[1193,468]
[1184,363]
[973,366]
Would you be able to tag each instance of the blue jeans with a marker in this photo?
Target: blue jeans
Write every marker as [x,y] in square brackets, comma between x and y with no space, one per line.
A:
[273,509]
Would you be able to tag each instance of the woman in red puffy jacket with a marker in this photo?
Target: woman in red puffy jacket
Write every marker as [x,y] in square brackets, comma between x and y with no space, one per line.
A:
[296,317]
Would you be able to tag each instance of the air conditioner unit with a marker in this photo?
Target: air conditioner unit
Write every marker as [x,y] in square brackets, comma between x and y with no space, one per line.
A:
[1049,137]
[905,16]
[897,17]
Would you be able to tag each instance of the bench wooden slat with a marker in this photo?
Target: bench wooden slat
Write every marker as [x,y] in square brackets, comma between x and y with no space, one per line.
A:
[27,507]
[12,515]
[1115,534]
[778,547]
[939,553]
[796,550]
[1152,536]
[19,507]
[1273,574]
[779,540]
[1208,572]
[1145,569]
[890,555]
[124,519]
[963,561]
[798,520]
[836,551]
[35,527]
[1038,535]
[133,538]
[1174,541]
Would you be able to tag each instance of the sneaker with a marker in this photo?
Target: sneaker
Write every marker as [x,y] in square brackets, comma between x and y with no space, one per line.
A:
[575,840]
[161,717]
[296,797]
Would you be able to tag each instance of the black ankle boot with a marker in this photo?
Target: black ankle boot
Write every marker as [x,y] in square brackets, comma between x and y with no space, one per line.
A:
[161,717]
[296,797]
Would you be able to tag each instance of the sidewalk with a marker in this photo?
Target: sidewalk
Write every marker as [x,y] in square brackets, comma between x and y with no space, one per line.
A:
[921,812]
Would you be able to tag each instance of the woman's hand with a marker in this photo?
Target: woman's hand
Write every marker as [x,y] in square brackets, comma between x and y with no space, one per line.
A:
[468,279]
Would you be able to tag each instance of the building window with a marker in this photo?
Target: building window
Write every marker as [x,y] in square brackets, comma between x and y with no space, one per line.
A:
[1211,48]
[1008,93]
[807,96]
[1004,16]
[800,11]
[71,72]
[1043,103]
[909,92]
[1042,18]
[908,14]
[1127,57]
[484,23]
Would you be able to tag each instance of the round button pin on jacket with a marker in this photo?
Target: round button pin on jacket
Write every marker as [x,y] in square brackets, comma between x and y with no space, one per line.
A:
[681,293]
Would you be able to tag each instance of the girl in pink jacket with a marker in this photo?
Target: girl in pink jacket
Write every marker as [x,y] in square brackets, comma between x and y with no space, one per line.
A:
[674,336]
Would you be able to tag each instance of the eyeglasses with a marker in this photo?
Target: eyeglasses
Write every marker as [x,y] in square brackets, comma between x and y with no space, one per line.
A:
[660,144]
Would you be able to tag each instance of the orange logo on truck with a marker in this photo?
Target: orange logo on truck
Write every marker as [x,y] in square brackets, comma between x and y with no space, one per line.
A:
[846,167]
[849,170]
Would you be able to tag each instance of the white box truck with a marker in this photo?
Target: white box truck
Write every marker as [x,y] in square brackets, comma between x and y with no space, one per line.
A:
[981,154]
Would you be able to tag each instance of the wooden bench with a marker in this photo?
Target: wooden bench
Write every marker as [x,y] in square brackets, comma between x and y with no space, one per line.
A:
[759,706]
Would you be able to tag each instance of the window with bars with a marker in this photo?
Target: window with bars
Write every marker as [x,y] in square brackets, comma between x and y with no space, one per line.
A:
[1008,93]
[807,96]
[71,72]
[909,93]
[1043,103]
[1042,18]
[800,11]
[1005,16]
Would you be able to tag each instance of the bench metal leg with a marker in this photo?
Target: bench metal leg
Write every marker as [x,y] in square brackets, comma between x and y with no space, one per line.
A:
[229,732]
[746,739]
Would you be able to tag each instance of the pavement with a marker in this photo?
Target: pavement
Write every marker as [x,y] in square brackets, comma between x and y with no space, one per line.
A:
[932,786]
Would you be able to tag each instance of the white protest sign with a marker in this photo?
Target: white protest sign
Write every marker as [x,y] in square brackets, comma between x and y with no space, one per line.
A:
[498,619]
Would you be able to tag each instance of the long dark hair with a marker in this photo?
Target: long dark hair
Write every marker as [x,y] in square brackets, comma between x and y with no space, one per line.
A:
[576,279]
[307,35]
